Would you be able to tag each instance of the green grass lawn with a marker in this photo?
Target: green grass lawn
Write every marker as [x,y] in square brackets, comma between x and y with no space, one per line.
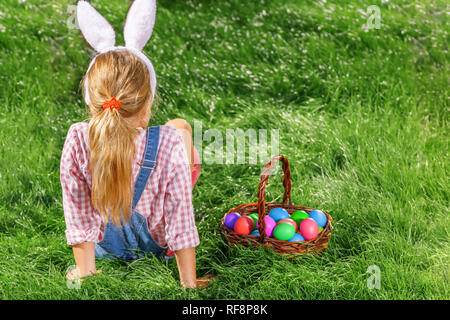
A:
[362,116]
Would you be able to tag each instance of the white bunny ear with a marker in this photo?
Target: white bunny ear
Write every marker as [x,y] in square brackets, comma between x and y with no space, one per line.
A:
[139,24]
[96,30]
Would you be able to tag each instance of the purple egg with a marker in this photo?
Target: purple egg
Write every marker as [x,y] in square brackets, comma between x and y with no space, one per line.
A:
[231,219]
[270,225]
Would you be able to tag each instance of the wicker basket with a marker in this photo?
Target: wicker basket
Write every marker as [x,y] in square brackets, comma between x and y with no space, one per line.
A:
[291,249]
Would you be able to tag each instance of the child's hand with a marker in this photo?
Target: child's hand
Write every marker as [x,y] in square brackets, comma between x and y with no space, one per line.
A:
[75,274]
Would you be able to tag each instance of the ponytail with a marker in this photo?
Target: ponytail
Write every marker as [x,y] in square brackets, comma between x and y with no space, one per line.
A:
[112,152]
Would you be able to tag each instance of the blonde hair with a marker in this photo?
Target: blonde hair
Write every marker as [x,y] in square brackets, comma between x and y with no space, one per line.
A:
[118,74]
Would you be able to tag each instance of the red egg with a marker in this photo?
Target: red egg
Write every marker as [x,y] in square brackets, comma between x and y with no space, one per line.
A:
[289,221]
[243,225]
[309,229]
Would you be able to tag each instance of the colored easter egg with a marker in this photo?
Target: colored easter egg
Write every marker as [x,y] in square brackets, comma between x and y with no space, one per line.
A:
[254,216]
[278,213]
[298,216]
[231,219]
[243,225]
[296,237]
[319,217]
[284,231]
[309,229]
[270,225]
[320,229]
[255,233]
[289,221]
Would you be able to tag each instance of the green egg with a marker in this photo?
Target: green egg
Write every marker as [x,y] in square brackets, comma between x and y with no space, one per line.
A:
[284,231]
[254,216]
[320,229]
[298,216]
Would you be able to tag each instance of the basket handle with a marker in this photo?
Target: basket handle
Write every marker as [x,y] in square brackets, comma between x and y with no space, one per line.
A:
[262,185]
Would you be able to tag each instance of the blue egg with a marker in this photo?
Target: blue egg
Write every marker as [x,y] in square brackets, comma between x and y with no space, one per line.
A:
[296,237]
[319,217]
[255,233]
[278,213]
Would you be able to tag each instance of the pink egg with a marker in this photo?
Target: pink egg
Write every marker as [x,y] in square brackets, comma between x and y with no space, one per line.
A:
[270,225]
[309,229]
[289,221]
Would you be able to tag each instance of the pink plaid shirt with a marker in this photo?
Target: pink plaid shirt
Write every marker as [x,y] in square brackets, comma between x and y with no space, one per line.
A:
[166,201]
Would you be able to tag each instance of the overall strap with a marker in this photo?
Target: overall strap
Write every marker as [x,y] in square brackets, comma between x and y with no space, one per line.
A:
[148,163]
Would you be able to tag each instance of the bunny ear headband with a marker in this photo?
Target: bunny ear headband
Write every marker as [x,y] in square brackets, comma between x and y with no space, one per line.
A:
[100,34]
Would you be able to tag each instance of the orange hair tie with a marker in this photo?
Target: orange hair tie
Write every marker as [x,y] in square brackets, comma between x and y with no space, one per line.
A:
[112,104]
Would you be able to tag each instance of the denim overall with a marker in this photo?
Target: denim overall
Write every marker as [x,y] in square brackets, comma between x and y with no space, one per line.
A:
[133,240]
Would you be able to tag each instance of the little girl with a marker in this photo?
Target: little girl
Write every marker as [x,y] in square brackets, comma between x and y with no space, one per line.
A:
[127,191]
